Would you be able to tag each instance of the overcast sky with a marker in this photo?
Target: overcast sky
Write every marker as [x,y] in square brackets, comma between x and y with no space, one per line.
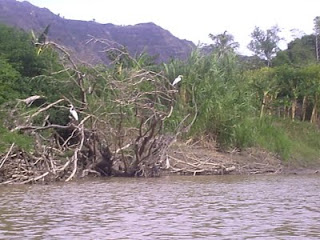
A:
[195,19]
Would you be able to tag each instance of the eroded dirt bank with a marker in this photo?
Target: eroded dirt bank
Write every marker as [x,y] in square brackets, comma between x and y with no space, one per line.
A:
[204,158]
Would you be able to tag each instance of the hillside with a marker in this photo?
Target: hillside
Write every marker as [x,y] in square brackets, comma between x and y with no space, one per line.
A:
[74,34]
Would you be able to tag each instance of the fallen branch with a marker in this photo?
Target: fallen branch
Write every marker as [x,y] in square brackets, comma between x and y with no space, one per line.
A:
[35,178]
[6,156]
[38,128]
[77,151]
[46,108]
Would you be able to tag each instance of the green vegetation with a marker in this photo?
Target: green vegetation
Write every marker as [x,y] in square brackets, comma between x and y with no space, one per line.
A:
[305,144]
[7,138]
[274,107]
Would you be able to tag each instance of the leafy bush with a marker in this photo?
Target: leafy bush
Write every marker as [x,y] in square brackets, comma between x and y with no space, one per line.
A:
[7,138]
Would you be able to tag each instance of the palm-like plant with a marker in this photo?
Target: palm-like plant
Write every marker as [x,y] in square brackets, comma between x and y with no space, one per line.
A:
[263,81]
[223,43]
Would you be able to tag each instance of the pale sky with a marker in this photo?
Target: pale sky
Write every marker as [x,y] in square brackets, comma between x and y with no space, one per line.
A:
[195,19]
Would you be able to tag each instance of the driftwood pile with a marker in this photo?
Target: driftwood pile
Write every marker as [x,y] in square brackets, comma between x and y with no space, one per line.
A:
[124,140]
[198,158]
[202,157]
[119,131]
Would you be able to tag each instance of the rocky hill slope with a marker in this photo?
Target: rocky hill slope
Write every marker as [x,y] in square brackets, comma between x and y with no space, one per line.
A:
[75,35]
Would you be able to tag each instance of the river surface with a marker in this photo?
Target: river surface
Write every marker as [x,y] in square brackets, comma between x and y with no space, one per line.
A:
[175,207]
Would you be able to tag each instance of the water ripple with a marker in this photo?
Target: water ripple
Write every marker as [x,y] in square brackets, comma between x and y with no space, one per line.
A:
[208,207]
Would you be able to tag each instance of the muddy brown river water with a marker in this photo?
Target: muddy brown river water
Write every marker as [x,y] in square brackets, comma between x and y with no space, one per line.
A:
[175,207]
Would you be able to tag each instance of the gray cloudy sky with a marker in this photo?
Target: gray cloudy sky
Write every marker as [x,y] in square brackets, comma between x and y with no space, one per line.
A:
[195,19]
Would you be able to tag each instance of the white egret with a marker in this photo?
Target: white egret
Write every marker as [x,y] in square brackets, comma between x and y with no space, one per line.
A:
[178,79]
[73,112]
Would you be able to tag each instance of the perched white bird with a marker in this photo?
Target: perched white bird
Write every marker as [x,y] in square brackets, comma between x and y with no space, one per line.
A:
[178,79]
[73,112]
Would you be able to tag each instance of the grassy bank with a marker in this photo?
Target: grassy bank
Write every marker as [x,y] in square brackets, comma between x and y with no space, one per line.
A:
[297,143]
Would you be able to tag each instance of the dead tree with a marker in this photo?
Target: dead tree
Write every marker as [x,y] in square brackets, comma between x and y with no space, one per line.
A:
[120,131]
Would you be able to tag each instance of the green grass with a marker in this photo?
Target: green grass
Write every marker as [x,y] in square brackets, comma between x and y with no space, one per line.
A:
[245,133]
[298,143]
[7,138]
[305,139]
[273,138]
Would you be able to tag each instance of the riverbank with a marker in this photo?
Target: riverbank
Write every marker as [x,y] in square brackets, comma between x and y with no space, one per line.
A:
[204,158]
[181,158]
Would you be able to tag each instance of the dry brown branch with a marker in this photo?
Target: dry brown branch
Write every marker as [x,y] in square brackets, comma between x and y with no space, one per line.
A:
[39,128]
[198,161]
[121,134]
[64,166]
[35,178]
[6,156]
[29,100]
[73,68]
[46,108]
[75,130]
[123,148]
[75,156]
[7,182]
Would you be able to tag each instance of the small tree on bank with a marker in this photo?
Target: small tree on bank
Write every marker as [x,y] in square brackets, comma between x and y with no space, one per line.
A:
[223,43]
[265,43]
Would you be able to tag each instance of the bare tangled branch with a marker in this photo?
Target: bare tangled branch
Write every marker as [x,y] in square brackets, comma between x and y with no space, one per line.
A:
[121,131]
